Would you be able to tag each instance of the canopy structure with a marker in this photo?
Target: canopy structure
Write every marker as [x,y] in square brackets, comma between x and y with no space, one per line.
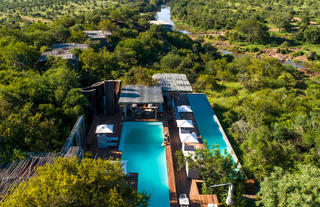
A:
[184,108]
[104,129]
[137,94]
[184,123]
[188,138]
[172,82]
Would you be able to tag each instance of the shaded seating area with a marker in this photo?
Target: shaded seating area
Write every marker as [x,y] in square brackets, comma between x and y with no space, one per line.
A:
[105,141]
[140,101]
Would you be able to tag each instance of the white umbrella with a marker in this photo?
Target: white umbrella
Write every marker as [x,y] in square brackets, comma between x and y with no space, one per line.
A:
[184,123]
[187,137]
[229,198]
[104,129]
[184,108]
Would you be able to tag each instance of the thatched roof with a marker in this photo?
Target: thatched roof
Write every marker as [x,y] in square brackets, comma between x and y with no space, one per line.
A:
[173,82]
[137,94]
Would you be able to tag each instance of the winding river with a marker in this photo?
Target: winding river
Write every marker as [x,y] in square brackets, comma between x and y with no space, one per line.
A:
[165,15]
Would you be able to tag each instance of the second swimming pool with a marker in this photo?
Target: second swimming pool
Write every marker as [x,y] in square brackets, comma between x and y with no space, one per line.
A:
[208,127]
[140,144]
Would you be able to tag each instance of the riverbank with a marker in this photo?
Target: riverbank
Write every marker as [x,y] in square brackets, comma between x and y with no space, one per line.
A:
[301,56]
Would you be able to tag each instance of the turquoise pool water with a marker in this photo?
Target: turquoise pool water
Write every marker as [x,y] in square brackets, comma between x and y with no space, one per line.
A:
[140,144]
[208,127]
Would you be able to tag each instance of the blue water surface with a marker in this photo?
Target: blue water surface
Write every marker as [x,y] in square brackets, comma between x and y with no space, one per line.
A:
[208,127]
[140,144]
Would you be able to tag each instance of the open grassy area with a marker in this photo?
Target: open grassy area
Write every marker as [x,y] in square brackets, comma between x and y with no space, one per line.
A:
[37,10]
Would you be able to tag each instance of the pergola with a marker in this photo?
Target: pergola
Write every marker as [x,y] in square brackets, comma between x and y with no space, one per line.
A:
[138,94]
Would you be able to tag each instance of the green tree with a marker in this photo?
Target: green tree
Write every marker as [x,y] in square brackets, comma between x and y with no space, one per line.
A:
[255,31]
[67,182]
[300,188]
[139,75]
[207,82]
[214,168]
[282,20]
[312,34]
[108,25]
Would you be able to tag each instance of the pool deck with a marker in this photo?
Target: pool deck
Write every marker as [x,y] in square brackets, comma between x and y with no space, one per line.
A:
[177,179]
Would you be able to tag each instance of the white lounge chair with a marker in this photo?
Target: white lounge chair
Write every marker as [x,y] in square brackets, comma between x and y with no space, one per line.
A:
[184,200]
[112,138]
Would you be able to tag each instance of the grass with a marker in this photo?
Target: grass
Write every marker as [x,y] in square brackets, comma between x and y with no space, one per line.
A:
[51,10]
[223,98]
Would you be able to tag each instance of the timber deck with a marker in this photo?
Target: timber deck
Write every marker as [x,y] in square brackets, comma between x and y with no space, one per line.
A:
[178,182]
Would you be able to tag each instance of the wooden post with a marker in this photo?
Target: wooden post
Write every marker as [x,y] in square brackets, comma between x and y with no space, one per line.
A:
[125,111]
[155,111]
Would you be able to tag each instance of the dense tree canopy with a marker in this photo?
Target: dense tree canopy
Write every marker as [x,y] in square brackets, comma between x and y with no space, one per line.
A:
[300,188]
[68,182]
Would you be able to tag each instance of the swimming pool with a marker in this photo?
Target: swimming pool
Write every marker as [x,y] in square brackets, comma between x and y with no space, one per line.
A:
[140,144]
[208,127]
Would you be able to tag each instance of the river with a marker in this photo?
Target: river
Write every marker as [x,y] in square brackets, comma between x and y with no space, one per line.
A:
[165,15]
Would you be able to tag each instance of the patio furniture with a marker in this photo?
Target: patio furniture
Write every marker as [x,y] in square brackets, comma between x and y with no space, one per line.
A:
[184,200]
[188,138]
[104,129]
[112,138]
[112,144]
[184,108]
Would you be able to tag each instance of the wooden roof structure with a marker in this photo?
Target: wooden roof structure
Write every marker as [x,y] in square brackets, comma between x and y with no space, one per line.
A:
[160,22]
[62,50]
[97,34]
[18,171]
[173,82]
[138,94]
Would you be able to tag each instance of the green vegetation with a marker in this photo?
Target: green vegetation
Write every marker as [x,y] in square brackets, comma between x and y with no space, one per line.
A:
[215,168]
[38,106]
[292,189]
[244,23]
[70,183]
[50,9]
[270,111]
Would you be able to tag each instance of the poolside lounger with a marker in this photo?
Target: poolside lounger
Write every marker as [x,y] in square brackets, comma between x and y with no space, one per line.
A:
[183,200]
[112,144]
[112,138]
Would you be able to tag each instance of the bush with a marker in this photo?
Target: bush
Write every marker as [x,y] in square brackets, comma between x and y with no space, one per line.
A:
[230,92]
[299,53]
[205,81]
[312,35]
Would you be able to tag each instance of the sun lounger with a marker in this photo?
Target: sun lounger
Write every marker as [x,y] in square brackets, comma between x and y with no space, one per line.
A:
[112,144]
[112,138]
[183,200]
